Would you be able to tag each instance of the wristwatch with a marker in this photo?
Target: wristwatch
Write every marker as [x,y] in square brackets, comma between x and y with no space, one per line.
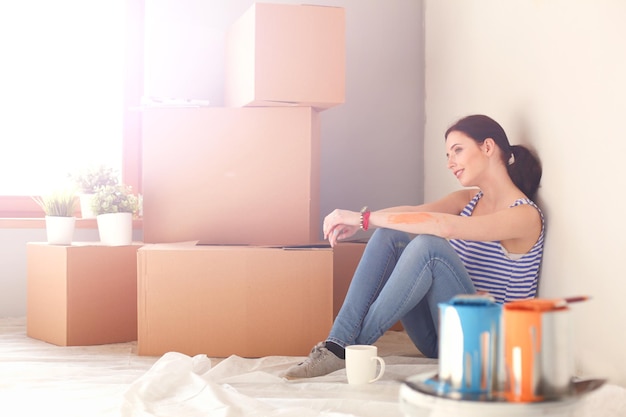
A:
[365,218]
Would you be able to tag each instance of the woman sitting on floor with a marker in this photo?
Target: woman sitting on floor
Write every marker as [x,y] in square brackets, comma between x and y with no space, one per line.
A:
[487,238]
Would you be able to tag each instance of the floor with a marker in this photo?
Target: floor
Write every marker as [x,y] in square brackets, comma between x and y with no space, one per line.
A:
[40,379]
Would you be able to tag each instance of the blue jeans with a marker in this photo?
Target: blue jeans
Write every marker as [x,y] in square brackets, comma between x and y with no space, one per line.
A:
[400,277]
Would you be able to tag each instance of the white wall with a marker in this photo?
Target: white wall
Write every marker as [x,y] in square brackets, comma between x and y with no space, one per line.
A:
[553,73]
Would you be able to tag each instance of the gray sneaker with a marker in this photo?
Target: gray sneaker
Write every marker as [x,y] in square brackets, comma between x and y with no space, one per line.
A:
[321,361]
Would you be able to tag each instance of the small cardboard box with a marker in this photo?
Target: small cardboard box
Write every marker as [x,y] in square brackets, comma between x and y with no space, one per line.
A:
[285,55]
[233,300]
[83,294]
[231,176]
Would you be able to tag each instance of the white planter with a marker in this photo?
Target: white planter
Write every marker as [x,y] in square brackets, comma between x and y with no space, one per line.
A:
[60,230]
[115,229]
[85,206]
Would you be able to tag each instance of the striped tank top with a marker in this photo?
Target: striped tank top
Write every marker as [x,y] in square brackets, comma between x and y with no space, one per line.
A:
[493,270]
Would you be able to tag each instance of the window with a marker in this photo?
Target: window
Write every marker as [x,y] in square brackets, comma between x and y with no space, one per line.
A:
[71,85]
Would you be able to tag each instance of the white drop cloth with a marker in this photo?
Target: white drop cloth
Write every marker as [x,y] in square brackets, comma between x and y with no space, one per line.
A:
[40,379]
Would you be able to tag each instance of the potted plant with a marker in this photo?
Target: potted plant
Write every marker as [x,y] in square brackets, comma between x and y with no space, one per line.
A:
[88,181]
[114,207]
[59,208]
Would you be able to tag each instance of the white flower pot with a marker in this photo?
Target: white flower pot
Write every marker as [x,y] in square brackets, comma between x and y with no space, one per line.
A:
[60,230]
[85,206]
[115,229]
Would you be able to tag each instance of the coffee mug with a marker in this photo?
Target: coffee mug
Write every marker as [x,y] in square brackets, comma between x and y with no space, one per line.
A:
[361,365]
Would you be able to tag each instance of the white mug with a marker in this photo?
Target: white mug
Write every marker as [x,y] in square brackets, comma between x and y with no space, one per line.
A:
[361,364]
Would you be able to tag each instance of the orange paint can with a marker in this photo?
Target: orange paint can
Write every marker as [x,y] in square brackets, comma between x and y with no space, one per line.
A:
[537,350]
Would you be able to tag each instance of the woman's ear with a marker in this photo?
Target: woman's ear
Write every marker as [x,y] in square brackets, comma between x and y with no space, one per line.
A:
[489,146]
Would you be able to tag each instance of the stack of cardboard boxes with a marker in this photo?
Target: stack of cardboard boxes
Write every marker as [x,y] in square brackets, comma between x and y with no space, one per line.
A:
[232,262]
[241,183]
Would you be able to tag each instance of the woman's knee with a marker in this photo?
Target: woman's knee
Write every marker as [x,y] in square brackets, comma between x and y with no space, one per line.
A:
[388,234]
[413,248]
[385,246]
[428,246]
[393,238]
[430,242]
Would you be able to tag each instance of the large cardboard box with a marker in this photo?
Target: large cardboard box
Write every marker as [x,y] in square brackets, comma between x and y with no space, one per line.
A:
[347,257]
[83,294]
[231,175]
[286,54]
[233,300]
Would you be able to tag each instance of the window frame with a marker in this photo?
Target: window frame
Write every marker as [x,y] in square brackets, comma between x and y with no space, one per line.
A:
[15,209]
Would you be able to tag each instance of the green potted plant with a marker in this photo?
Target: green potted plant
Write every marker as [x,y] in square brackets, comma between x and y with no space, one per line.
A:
[114,207]
[88,181]
[59,208]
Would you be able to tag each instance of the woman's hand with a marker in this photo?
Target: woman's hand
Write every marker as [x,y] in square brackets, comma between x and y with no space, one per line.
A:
[340,225]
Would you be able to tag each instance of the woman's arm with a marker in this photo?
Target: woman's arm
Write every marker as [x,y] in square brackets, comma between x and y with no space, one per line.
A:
[453,203]
[336,229]
[518,226]
[519,222]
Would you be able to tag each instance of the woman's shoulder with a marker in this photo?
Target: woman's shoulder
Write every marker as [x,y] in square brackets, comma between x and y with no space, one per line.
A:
[465,200]
[525,201]
[452,203]
[466,195]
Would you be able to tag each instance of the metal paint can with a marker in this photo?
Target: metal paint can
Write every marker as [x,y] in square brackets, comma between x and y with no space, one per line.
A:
[537,350]
[469,344]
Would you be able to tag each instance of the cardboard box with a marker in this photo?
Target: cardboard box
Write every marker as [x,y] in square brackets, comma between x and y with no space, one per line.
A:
[247,176]
[83,294]
[347,257]
[285,55]
[233,300]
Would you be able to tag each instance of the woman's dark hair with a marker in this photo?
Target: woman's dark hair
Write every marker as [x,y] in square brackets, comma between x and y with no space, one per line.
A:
[523,166]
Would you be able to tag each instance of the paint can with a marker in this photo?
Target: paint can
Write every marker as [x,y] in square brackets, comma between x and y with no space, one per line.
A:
[469,345]
[537,350]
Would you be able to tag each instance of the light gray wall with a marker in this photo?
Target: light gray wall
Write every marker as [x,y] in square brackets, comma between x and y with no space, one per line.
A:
[13,264]
[372,146]
[13,269]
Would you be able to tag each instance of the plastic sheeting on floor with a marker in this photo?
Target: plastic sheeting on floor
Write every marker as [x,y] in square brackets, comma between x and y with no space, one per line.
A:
[37,378]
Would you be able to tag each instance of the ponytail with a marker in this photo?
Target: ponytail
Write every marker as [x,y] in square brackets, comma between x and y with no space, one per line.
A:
[524,169]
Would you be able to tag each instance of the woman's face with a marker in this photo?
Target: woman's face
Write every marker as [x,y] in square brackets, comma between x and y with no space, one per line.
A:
[466,158]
